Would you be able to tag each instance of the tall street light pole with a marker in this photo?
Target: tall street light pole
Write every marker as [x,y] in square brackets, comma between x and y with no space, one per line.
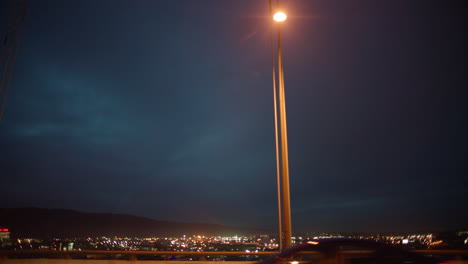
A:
[285,193]
[275,108]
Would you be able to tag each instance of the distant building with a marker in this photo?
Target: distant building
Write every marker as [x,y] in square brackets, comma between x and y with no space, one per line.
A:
[4,234]
[4,237]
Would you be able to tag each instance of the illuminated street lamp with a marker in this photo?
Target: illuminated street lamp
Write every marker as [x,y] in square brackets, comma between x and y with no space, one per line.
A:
[279,16]
[285,203]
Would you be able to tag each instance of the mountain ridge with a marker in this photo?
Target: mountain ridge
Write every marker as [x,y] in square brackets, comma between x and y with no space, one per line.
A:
[36,222]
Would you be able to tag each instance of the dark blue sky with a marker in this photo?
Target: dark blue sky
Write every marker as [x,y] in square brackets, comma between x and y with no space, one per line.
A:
[164,109]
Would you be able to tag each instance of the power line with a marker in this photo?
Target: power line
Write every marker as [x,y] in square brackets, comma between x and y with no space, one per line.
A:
[10,21]
[11,45]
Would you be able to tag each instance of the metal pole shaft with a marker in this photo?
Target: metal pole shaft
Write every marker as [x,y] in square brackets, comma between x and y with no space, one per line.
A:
[275,108]
[285,194]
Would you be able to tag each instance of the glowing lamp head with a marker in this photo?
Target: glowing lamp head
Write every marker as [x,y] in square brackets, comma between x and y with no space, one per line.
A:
[279,16]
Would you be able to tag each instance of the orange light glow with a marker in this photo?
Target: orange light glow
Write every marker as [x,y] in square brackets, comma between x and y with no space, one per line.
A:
[279,16]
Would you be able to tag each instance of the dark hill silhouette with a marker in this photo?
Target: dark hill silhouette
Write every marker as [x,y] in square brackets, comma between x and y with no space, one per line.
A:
[62,223]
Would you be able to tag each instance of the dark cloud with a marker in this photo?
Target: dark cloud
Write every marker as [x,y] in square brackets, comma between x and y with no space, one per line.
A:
[164,109]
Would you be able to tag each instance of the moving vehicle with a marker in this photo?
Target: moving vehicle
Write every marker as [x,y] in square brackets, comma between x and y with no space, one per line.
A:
[349,251]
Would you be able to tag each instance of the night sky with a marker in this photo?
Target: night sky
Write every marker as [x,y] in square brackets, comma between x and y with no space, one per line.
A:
[164,109]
